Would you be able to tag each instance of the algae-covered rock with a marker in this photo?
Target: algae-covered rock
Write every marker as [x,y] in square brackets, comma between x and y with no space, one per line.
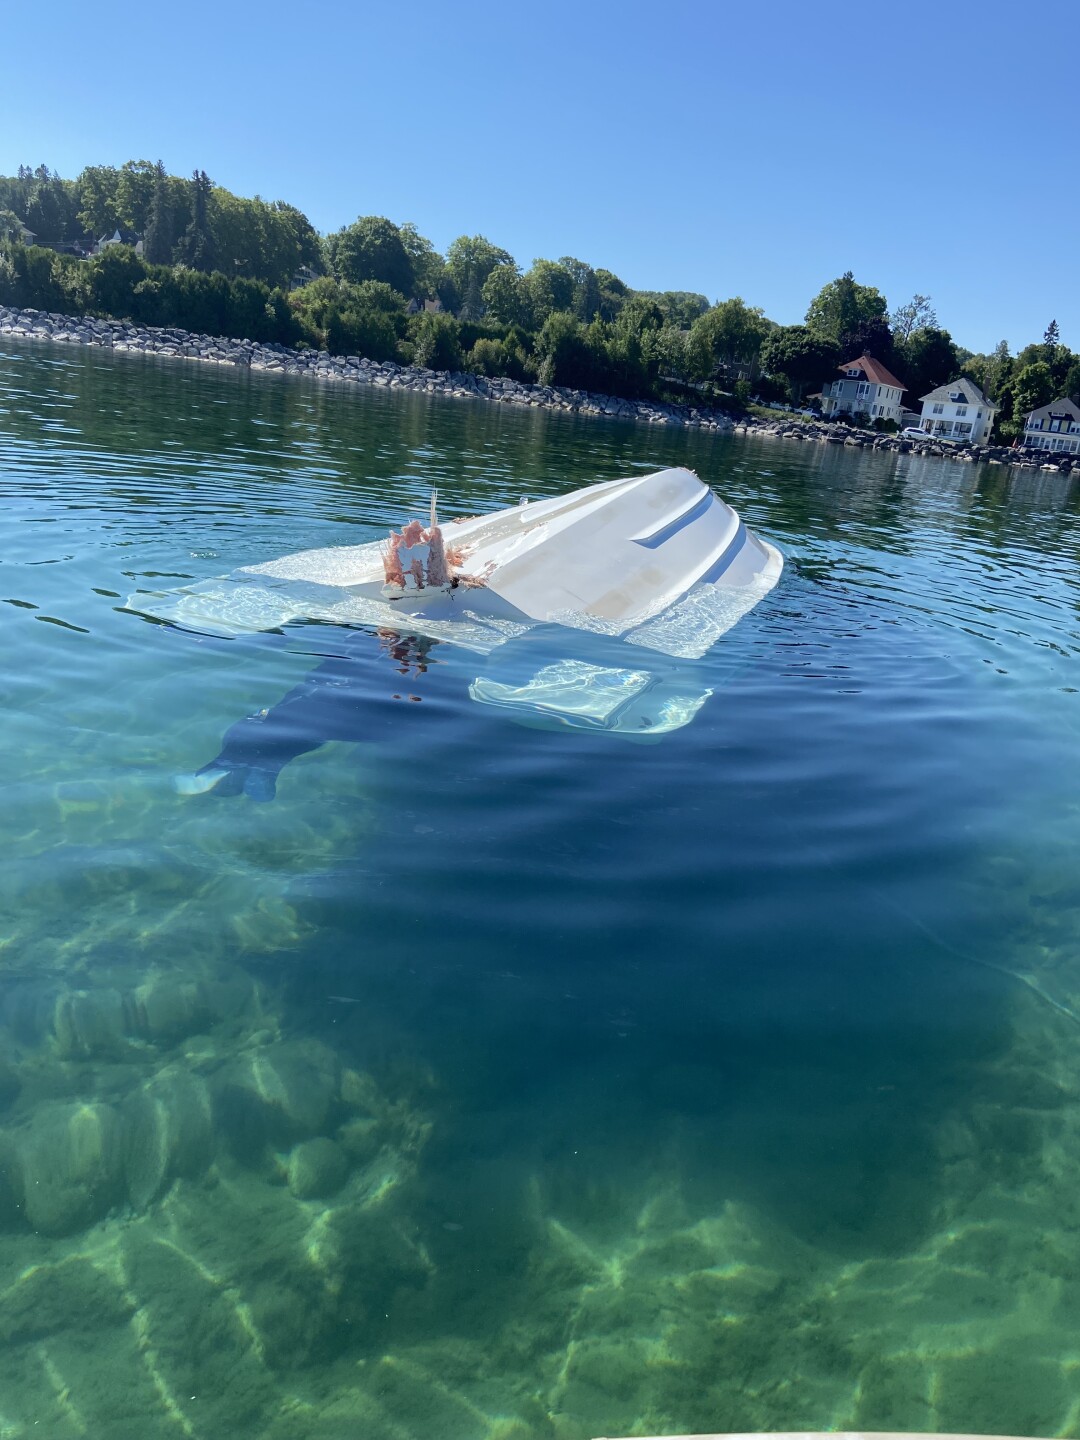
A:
[168,1007]
[317,1168]
[12,1212]
[72,1295]
[10,1085]
[92,1023]
[168,1132]
[277,1095]
[72,1166]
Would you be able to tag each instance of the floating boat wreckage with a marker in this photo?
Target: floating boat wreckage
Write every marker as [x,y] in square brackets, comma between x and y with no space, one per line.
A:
[655,562]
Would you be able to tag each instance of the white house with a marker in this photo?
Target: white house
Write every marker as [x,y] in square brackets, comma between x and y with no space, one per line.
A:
[118,237]
[865,387]
[958,411]
[1054,427]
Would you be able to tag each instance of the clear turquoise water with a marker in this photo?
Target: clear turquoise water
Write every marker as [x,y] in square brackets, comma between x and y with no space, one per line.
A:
[499,1083]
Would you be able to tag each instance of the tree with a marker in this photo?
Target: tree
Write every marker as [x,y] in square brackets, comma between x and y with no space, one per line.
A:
[1052,336]
[473,257]
[371,248]
[11,229]
[135,193]
[585,302]
[917,314]
[678,307]
[927,360]
[997,370]
[96,188]
[727,337]
[550,288]
[472,305]
[428,265]
[613,294]
[506,297]
[1032,387]
[159,236]
[842,309]
[436,343]
[801,355]
[198,244]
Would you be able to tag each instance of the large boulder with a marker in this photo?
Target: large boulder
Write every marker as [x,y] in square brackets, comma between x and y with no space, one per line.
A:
[71,1159]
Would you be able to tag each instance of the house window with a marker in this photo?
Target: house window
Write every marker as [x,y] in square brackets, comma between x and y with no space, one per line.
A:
[1034,425]
[939,409]
[978,414]
[961,409]
[863,390]
[1055,425]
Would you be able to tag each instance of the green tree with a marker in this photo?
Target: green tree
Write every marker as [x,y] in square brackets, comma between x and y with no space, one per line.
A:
[96,188]
[842,309]
[11,229]
[928,359]
[678,307]
[506,297]
[585,301]
[550,288]
[990,372]
[472,258]
[727,338]
[613,294]
[436,343]
[428,266]
[135,193]
[371,248]
[917,314]
[1032,387]
[801,355]
[198,244]
[160,235]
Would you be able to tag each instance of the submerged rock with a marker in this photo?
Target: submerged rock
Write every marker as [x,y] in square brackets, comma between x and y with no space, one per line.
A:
[10,1085]
[92,1022]
[277,1096]
[12,1215]
[317,1168]
[167,1133]
[72,1166]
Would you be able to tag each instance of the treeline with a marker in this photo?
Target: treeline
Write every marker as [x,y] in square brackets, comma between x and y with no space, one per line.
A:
[215,262]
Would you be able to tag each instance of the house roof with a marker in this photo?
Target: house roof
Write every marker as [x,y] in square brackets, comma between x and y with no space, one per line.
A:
[873,370]
[1064,406]
[970,391]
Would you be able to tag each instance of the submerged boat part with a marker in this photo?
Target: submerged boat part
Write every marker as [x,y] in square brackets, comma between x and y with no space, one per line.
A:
[656,561]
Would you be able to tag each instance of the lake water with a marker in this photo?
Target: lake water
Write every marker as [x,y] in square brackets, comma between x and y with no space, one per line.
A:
[492,1083]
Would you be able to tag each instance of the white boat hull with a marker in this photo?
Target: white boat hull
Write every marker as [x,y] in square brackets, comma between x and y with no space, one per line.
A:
[657,561]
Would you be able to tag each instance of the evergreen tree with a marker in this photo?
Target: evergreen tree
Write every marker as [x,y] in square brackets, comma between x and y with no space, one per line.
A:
[198,247]
[158,240]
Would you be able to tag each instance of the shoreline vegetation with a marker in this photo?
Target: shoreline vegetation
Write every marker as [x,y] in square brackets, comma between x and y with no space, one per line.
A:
[270,358]
[136,244]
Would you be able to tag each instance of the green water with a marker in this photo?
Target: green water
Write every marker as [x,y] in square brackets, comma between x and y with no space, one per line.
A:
[490,1083]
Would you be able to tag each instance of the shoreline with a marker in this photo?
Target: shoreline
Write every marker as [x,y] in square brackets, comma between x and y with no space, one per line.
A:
[124,336]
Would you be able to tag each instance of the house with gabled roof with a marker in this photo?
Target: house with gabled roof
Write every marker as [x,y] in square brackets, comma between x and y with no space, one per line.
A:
[1054,427]
[865,387]
[958,411]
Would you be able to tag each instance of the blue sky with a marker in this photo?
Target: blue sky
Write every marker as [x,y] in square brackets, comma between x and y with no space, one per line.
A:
[711,147]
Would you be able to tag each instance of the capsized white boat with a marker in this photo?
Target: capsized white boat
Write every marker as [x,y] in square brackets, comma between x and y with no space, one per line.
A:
[657,561]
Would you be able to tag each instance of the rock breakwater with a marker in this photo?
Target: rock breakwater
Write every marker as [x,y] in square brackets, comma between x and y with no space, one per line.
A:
[123,335]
